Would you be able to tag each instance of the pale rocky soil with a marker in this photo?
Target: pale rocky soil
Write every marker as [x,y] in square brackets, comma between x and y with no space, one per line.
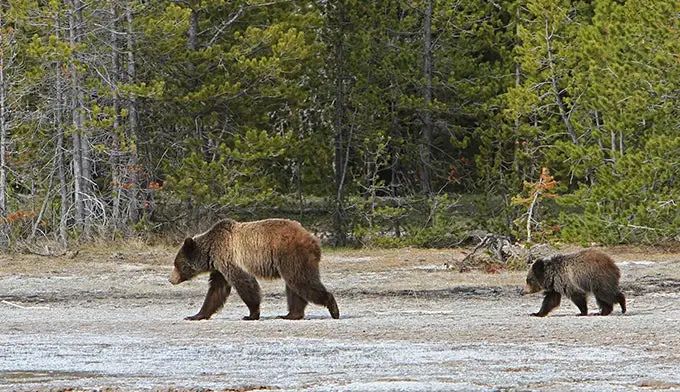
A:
[109,320]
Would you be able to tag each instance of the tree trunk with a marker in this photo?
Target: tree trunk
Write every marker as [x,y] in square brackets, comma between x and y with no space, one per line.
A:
[115,153]
[394,151]
[59,161]
[340,124]
[564,114]
[86,153]
[192,42]
[59,158]
[76,106]
[515,145]
[3,124]
[425,146]
[133,164]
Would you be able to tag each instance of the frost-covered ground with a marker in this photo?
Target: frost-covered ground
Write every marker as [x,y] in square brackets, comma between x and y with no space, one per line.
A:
[110,320]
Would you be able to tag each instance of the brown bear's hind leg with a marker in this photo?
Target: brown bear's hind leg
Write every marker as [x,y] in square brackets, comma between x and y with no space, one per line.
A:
[217,294]
[312,290]
[581,302]
[315,292]
[296,305]
[605,307]
[621,299]
[247,288]
[333,307]
[551,301]
[307,284]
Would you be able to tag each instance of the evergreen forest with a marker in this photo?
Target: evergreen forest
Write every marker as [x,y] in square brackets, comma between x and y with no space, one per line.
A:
[376,123]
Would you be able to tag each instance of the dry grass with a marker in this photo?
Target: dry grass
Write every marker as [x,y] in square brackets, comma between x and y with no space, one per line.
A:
[102,256]
[88,257]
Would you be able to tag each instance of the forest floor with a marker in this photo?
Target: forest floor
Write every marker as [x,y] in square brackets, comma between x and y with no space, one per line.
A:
[109,320]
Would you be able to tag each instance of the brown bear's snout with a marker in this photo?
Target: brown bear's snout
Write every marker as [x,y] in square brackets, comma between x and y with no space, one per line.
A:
[175,277]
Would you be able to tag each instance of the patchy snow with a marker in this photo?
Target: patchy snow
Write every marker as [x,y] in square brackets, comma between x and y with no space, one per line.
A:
[118,358]
[121,327]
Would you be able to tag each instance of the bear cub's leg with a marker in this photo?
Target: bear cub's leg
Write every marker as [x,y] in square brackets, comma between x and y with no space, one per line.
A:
[581,301]
[550,301]
[605,307]
[217,294]
[606,298]
[621,299]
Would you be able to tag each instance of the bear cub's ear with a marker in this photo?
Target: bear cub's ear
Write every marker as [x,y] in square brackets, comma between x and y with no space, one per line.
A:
[189,244]
[538,268]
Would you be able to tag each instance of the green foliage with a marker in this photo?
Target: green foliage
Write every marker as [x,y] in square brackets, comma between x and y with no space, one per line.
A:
[633,200]
[245,173]
[422,223]
[235,107]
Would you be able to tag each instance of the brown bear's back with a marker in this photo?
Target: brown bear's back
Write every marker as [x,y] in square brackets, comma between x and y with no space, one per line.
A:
[260,246]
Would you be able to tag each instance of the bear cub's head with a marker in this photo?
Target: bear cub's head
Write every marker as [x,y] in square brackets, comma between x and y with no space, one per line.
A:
[188,262]
[535,277]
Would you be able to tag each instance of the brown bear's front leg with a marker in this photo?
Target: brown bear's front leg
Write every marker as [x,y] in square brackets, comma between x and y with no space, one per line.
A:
[217,295]
[551,301]
[247,288]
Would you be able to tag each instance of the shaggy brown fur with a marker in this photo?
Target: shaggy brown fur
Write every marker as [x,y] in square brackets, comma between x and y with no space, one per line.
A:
[234,253]
[575,275]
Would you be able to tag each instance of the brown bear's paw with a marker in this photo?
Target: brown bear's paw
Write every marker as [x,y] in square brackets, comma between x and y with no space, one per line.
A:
[252,317]
[197,317]
[537,315]
[291,316]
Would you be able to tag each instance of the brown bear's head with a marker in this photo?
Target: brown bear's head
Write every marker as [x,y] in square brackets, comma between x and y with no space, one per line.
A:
[535,277]
[188,262]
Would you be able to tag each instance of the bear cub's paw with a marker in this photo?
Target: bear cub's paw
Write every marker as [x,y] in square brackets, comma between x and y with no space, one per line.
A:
[290,316]
[197,317]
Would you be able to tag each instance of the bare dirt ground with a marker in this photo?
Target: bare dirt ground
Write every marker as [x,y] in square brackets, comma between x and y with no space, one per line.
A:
[109,320]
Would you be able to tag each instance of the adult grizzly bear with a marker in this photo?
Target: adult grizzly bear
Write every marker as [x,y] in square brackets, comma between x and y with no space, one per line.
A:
[575,275]
[236,252]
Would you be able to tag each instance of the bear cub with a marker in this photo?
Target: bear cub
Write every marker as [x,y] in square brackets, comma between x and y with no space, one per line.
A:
[576,275]
[236,253]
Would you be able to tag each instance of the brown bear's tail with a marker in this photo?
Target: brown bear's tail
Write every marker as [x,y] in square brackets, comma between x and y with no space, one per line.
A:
[622,301]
